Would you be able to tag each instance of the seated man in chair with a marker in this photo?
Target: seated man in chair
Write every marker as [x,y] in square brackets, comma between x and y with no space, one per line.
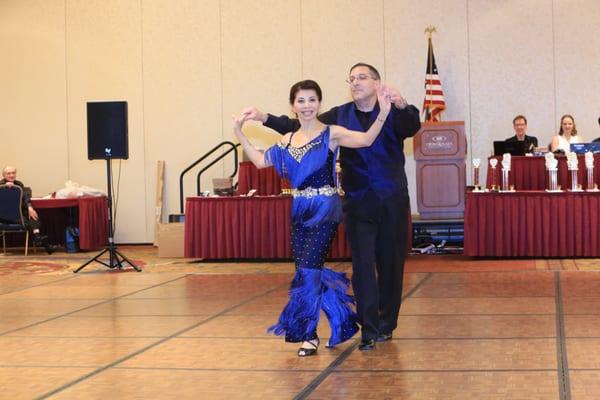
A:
[598,138]
[9,178]
[520,127]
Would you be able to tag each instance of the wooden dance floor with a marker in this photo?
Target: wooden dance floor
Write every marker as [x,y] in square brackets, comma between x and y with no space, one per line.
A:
[469,329]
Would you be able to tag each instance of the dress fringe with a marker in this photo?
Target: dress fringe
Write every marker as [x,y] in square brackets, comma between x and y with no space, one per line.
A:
[313,290]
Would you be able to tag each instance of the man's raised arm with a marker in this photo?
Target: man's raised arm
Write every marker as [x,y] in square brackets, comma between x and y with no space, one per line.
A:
[406,121]
[284,124]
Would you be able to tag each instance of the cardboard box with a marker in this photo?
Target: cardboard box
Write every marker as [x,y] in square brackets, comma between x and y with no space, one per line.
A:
[170,240]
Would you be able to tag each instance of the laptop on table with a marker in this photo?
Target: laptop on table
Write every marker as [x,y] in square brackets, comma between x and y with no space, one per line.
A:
[516,148]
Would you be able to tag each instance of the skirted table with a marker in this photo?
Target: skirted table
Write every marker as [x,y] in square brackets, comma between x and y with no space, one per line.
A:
[248,228]
[529,173]
[245,227]
[532,224]
[89,213]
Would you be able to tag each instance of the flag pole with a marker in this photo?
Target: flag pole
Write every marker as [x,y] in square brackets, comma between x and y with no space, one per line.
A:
[429,32]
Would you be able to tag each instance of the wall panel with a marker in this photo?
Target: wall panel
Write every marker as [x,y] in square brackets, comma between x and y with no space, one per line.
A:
[32,93]
[577,61]
[261,59]
[511,64]
[336,35]
[104,62]
[182,93]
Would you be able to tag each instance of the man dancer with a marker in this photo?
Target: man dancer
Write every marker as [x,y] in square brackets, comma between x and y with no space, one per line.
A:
[376,203]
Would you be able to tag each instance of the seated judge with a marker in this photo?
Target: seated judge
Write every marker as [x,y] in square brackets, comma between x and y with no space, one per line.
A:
[9,179]
[598,138]
[520,127]
[566,135]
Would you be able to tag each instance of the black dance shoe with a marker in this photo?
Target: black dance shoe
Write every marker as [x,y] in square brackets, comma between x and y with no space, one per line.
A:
[384,337]
[366,345]
[40,240]
[50,248]
[310,351]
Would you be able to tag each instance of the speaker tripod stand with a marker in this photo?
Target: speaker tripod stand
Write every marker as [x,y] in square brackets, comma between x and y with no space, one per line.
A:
[115,258]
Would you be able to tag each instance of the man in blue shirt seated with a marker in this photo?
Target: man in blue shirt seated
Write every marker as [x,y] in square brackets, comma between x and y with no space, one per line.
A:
[376,202]
[520,127]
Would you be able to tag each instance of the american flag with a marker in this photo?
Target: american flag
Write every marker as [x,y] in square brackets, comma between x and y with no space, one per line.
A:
[434,102]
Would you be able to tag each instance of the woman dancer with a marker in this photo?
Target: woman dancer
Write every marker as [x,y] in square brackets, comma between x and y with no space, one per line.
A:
[307,159]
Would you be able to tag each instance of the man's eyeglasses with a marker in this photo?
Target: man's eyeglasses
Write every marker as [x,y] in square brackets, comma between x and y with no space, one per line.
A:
[360,78]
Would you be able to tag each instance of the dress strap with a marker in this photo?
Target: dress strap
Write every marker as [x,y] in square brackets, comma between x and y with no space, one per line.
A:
[284,169]
[290,141]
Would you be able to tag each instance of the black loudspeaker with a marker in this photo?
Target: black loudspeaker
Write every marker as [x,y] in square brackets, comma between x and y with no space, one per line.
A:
[107,130]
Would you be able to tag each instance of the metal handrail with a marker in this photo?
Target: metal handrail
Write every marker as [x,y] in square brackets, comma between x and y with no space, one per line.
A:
[235,169]
[217,147]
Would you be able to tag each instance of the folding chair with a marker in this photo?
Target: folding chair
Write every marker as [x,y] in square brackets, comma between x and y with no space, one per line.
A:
[11,215]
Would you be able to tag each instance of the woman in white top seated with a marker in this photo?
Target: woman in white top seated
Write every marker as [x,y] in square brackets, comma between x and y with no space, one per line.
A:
[566,135]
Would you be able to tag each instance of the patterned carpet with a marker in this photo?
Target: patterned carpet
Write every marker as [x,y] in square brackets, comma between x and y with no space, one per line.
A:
[146,257]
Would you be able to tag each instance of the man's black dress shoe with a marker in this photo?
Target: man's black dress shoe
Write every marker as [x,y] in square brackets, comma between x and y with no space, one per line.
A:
[366,345]
[39,240]
[384,337]
[50,248]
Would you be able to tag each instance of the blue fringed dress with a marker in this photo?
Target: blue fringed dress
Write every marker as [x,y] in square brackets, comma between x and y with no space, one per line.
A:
[316,212]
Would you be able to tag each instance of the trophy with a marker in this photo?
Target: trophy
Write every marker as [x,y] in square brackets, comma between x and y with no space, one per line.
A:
[572,164]
[493,163]
[589,166]
[505,171]
[552,167]
[476,164]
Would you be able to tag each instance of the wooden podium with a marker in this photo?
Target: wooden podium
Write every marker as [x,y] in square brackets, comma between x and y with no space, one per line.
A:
[440,151]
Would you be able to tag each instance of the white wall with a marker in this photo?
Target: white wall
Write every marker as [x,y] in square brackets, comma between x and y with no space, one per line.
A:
[185,66]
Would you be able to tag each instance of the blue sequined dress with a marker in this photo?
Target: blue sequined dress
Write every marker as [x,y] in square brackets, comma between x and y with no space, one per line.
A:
[316,212]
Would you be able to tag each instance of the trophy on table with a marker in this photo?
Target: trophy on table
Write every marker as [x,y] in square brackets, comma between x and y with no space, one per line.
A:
[493,163]
[572,165]
[589,166]
[505,172]
[476,164]
[552,167]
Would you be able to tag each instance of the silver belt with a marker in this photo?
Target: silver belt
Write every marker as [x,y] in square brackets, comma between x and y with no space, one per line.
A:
[312,192]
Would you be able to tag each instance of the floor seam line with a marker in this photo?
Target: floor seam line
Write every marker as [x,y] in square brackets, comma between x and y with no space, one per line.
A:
[87,307]
[312,385]
[152,345]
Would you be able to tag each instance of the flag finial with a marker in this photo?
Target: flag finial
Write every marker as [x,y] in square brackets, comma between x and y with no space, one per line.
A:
[429,30]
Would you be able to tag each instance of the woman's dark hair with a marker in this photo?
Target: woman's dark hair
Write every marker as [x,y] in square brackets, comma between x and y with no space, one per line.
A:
[305,85]
[560,131]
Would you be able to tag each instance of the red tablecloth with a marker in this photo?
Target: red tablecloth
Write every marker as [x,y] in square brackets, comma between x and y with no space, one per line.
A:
[529,173]
[532,224]
[265,181]
[92,219]
[244,227]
